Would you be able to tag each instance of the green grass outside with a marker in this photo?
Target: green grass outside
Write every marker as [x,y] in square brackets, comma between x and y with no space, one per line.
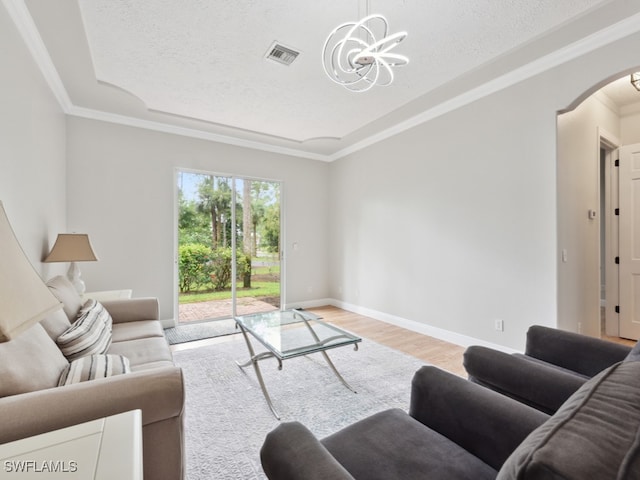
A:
[265,270]
[258,289]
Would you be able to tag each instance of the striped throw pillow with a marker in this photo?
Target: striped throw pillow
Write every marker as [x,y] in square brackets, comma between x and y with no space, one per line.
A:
[92,367]
[90,334]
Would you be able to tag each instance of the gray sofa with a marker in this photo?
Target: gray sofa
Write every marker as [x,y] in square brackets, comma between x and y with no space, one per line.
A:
[555,364]
[31,402]
[457,430]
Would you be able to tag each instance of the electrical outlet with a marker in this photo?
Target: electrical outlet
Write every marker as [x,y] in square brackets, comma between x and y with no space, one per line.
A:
[499,325]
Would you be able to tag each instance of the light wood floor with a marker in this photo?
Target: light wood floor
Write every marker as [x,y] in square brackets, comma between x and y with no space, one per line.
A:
[433,351]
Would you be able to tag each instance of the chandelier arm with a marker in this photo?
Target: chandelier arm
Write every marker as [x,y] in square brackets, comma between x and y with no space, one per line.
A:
[399,60]
[357,60]
[389,72]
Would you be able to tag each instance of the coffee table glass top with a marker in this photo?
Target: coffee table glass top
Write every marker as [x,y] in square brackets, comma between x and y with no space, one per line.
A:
[291,333]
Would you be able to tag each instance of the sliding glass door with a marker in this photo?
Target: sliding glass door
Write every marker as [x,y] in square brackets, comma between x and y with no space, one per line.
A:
[229,259]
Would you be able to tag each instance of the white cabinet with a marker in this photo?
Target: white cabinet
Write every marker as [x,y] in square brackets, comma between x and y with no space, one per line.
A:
[105,449]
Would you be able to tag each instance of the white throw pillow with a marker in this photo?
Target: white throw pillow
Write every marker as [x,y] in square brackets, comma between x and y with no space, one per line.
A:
[90,334]
[92,367]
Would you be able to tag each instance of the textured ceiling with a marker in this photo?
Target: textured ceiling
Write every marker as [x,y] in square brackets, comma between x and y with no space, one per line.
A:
[200,64]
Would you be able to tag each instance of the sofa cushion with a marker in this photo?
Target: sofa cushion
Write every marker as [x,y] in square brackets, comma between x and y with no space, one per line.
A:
[90,334]
[64,291]
[56,324]
[418,452]
[593,435]
[92,367]
[30,362]
[143,352]
[135,330]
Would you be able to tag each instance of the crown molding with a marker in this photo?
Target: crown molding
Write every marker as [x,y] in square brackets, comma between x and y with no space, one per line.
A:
[92,114]
[27,28]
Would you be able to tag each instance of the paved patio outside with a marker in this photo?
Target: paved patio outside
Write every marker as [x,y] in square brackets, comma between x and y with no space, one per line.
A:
[217,309]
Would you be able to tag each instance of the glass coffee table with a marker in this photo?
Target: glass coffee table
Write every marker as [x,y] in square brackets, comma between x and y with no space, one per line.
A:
[288,334]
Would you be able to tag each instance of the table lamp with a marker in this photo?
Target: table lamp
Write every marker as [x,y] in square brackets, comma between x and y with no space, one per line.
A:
[24,297]
[72,247]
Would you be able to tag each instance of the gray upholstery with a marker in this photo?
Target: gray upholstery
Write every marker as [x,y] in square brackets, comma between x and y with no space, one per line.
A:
[555,364]
[483,422]
[595,434]
[418,452]
[532,382]
[448,435]
[294,440]
[579,353]
[460,430]
[634,354]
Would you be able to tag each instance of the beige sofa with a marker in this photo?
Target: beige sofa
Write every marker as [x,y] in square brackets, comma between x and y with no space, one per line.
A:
[31,402]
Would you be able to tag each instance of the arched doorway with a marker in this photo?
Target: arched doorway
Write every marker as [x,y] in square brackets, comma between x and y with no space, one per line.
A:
[588,136]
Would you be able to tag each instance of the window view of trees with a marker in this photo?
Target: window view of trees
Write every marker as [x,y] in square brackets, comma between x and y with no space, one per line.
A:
[205,234]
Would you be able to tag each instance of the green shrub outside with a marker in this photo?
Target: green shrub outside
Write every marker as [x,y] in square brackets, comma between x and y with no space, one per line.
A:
[200,266]
[194,266]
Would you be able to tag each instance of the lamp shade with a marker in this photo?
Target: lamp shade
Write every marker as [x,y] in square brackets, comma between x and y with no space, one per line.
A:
[24,297]
[72,247]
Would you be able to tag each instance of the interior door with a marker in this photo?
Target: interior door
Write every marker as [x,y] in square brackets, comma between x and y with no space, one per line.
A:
[629,241]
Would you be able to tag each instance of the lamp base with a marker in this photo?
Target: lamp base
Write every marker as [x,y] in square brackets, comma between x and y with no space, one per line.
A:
[74,277]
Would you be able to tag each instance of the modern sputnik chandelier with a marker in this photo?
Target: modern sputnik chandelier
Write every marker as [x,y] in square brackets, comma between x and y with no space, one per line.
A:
[357,55]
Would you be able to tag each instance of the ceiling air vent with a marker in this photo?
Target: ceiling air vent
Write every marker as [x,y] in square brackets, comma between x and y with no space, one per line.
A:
[281,54]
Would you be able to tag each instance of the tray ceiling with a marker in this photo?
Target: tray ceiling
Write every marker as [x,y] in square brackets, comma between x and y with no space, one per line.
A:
[199,67]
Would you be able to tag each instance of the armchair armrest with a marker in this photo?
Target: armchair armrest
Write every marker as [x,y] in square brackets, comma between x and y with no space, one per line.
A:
[158,393]
[292,452]
[573,351]
[483,422]
[132,309]
[540,386]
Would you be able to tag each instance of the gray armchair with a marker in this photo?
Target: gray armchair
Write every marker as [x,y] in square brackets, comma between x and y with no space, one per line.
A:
[454,430]
[555,364]
[458,430]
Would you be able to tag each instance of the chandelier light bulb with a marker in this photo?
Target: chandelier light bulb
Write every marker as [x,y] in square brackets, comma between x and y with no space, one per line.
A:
[357,55]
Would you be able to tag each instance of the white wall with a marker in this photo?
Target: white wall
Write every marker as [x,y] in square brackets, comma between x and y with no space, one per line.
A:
[450,225]
[32,151]
[453,224]
[630,124]
[121,192]
[578,182]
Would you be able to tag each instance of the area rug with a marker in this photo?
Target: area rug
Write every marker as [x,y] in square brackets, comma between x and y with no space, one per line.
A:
[227,418]
[200,331]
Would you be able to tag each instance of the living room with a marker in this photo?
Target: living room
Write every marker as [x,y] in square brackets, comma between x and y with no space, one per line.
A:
[472,189]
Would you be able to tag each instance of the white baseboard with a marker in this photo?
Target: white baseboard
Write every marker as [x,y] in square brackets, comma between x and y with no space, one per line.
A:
[419,327]
[321,302]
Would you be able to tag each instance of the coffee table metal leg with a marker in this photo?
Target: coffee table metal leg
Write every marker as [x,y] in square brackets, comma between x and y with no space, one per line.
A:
[335,370]
[324,354]
[254,361]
